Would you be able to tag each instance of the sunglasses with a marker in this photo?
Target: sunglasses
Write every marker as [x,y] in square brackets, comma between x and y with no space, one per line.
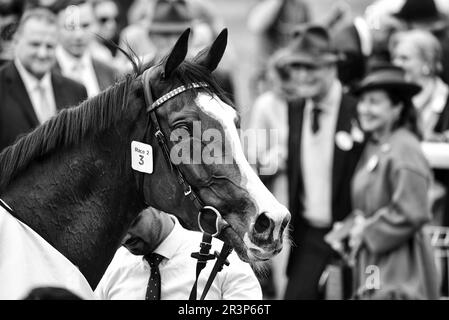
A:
[210,221]
[103,20]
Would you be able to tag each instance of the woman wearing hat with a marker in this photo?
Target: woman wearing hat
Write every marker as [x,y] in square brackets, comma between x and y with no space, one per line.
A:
[393,257]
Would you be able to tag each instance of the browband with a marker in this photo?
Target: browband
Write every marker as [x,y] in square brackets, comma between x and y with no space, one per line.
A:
[174,93]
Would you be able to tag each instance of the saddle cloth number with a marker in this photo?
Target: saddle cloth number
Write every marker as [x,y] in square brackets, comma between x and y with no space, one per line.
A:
[142,157]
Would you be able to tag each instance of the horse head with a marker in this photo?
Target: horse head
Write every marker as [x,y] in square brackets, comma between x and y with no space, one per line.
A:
[202,146]
[74,181]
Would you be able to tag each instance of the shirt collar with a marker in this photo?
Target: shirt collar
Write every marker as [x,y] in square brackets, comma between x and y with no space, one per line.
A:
[30,81]
[68,61]
[331,99]
[173,241]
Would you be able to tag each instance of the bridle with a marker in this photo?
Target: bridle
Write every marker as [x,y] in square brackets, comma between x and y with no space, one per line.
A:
[203,255]
[151,108]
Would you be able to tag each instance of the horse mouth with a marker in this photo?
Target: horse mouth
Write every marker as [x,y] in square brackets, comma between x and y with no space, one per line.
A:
[261,257]
[232,237]
[247,252]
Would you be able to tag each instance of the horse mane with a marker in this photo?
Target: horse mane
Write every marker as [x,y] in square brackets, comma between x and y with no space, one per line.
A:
[92,116]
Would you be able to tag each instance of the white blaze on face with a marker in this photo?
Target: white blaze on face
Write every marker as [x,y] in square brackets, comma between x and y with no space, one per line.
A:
[263,199]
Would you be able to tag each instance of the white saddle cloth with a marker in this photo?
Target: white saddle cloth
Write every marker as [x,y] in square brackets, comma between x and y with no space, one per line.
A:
[28,261]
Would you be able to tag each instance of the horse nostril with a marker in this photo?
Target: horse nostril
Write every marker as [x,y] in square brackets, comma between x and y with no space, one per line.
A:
[262,223]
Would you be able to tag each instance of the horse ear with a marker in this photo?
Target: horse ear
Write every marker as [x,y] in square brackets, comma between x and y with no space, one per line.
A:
[177,54]
[211,57]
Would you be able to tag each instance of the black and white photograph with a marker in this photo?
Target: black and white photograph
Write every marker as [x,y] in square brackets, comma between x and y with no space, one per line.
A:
[232,157]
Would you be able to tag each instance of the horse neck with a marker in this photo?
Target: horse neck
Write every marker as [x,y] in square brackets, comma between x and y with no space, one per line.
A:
[81,200]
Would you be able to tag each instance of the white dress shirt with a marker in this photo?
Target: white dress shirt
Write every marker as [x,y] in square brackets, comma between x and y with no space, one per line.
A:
[317,151]
[40,93]
[81,70]
[127,276]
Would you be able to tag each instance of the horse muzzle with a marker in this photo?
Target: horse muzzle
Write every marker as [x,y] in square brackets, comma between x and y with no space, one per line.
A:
[266,237]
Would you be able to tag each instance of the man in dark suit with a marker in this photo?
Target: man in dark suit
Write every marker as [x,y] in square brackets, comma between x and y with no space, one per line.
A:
[30,93]
[76,31]
[323,151]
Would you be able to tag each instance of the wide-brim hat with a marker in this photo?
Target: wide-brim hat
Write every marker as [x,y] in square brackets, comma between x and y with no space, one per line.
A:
[311,45]
[170,17]
[387,77]
[422,12]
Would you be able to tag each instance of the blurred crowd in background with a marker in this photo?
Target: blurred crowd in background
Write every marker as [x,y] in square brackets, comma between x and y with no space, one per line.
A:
[58,56]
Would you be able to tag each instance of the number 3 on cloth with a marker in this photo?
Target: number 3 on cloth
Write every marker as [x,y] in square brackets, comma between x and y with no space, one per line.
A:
[141,157]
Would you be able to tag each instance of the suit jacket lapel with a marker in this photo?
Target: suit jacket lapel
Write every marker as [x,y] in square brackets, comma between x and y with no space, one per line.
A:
[102,82]
[295,120]
[18,91]
[57,67]
[343,124]
[58,91]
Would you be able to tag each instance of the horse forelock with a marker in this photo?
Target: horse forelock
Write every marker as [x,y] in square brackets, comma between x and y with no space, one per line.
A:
[69,127]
